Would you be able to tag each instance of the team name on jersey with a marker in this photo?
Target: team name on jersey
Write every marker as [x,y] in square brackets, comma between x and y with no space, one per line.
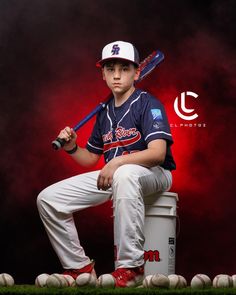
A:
[123,137]
[120,132]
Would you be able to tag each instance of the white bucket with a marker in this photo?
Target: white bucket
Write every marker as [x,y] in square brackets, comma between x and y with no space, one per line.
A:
[160,233]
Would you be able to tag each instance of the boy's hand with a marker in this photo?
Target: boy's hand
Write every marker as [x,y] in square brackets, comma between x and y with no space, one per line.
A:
[105,177]
[69,135]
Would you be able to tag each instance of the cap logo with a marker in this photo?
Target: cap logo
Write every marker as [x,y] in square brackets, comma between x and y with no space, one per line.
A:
[115,49]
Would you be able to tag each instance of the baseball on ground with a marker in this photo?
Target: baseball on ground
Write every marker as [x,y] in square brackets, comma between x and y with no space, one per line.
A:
[70,280]
[40,280]
[86,279]
[6,280]
[222,281]
[106,281]
[200,281]
[183,281]
[160,281]
[177,281]
[147,282]
[56,280]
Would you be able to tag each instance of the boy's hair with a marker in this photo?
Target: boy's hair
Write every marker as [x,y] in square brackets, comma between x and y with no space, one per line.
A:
[114,61]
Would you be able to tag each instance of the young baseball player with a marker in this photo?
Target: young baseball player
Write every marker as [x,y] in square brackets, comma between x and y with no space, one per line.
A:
[134,136]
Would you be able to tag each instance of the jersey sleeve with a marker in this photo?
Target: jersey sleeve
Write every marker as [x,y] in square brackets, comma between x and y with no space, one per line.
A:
[154,122]
[95,142]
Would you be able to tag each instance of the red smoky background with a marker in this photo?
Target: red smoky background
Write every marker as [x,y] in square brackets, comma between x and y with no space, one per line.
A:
[48,80]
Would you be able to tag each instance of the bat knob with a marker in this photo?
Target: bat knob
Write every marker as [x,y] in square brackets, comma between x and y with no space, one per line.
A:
[58,143]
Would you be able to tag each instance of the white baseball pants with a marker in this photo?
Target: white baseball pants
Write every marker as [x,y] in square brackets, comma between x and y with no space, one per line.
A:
[131,183]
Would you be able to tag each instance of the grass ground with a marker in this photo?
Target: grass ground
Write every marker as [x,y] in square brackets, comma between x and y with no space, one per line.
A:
[30,289]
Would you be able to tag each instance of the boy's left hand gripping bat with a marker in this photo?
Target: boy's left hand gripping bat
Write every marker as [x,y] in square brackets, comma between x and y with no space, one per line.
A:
[146,67]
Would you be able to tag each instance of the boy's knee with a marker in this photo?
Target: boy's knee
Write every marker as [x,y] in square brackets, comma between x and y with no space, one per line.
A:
[125,175]
[42,197]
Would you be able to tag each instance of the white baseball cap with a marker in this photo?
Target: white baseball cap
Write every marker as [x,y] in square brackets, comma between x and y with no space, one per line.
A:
[119,49]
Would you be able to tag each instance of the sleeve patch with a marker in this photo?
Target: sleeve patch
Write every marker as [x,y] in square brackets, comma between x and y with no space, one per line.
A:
[156,114]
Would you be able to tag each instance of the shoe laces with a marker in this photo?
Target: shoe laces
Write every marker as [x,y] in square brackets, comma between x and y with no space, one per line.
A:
[123,273]
[71,272]
[75,272]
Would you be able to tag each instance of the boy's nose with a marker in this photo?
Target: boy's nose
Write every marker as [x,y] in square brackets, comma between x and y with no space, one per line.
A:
[117,74]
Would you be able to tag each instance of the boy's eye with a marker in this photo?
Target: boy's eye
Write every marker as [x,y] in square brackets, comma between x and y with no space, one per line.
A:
[122,68]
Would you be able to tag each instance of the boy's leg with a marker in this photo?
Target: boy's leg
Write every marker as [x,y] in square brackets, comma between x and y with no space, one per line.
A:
[131,183]
[56,205]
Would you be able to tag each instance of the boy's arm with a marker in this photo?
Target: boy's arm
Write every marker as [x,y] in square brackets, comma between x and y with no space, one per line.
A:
[85,158]
[154,155]
[82,156]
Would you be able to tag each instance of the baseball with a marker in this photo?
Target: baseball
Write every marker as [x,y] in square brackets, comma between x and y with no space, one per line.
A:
[200,281]
[6,280]
[160,281]
[177,281]
[147,282]
[40,280]
[183,281]
[234,280]
[222,281]
[70,280]
[56,280]
[106,281]
[86,279]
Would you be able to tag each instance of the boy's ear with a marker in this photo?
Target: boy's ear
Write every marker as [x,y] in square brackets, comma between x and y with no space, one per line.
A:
[137,74]
[103,75]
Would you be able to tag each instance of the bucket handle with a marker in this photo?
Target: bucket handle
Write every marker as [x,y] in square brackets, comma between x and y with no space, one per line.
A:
[172,209]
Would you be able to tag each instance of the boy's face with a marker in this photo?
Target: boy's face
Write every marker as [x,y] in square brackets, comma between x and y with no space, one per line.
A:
[120,75]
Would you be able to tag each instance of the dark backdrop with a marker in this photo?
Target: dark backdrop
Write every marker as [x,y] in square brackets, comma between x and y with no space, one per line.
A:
[48,79]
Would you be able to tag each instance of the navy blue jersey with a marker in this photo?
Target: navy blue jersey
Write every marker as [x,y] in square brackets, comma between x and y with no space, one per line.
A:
[130,127]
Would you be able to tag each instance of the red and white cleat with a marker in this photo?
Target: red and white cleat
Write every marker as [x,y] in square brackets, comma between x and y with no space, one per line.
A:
[74,273]
[128,277]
